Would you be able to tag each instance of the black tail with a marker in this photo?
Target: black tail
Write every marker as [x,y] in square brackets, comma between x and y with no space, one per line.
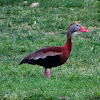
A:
[20,63]
[23,61]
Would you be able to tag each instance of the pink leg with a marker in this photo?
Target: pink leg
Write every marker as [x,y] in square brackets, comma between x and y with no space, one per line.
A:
[48,72]
[45,72]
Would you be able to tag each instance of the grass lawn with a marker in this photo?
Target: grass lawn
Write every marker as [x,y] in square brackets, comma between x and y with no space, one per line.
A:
[78,78]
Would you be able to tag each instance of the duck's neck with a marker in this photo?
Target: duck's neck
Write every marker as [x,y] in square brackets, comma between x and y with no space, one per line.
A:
[68,44]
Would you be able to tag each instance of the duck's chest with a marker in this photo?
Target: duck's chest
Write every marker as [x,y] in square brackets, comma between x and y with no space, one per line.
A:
[64,56]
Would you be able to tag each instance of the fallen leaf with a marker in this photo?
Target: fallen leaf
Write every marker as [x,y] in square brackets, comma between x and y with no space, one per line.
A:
[34,90]
[22,46]
[63,97]
[92,5]
[25,2]
[1,19]
[71,9]
[49,33]
[34,5]
[82,38]
[22,26]
[92,48]
[85,8]
[34,22]
[40,11]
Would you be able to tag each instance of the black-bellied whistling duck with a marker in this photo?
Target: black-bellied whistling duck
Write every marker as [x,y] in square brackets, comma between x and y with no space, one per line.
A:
[49,57]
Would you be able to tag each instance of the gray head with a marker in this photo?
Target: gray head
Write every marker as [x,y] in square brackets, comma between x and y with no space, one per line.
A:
[75,27]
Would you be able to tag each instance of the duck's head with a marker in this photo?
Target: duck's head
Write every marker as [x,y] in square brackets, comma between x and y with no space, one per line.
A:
[74,28]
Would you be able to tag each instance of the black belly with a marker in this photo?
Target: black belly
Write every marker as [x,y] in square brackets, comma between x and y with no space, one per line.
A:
[48,62]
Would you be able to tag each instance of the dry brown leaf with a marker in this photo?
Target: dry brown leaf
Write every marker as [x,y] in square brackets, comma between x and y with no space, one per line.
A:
[34,90]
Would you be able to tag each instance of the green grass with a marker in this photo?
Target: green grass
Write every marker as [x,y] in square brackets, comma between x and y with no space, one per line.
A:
[78,78]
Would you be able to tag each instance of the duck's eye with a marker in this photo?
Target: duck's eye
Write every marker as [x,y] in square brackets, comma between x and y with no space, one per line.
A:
[77,25]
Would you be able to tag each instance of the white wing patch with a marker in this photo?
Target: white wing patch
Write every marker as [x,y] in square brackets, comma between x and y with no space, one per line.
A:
[38,57]
[42,55]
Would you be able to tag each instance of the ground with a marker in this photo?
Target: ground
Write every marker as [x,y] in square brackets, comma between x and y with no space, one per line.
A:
[24,30]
